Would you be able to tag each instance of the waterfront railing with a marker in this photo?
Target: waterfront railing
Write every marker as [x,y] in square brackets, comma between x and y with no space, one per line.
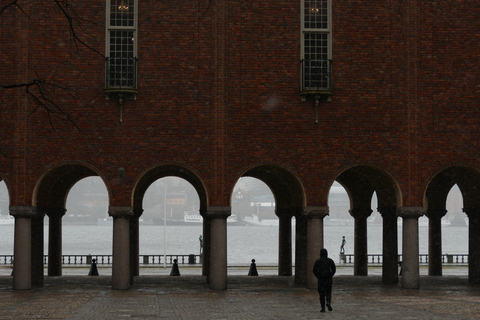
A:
[374,259]
[152,260]
[105,259]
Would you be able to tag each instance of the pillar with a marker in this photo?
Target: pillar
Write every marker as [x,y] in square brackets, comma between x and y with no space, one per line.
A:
[22,266]
[54,240]
[121,246]
[301,249]
[218,247]
[473,245]
[435,241]
[360,266]
[135,243]
[410,251]
[206,247]
[284,242]
[390,245]
[37,250]
[315,217]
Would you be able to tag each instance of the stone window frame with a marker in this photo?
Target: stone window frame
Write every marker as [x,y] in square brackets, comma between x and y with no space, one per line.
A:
[316,34]
[121,32]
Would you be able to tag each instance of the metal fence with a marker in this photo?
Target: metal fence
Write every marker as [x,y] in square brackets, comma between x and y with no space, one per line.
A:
[108,259]
[422,259]
[158,259]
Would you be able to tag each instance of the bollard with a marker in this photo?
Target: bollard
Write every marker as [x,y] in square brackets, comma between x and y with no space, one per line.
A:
[93,268]
[175,271]
[253,269]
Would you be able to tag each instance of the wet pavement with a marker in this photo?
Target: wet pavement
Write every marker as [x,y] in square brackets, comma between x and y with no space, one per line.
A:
[156,295]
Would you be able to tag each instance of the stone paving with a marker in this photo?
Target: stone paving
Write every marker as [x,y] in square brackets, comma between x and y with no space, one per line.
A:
[264,297]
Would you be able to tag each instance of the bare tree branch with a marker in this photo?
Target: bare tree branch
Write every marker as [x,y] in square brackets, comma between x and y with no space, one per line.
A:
[73,20]
[13,3]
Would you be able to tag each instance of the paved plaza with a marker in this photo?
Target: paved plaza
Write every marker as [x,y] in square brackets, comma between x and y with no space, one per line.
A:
[156,295]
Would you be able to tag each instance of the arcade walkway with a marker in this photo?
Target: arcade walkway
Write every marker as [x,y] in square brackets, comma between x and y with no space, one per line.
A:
[263,297]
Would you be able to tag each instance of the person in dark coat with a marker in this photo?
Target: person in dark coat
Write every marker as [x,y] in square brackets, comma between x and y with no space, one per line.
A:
[324,269]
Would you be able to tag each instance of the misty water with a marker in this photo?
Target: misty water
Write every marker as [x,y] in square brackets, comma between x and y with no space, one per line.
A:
[244,242]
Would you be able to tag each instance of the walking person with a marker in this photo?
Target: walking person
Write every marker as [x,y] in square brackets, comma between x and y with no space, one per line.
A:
[324,269]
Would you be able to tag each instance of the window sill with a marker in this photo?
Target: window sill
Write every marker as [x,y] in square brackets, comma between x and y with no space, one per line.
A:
[316,94]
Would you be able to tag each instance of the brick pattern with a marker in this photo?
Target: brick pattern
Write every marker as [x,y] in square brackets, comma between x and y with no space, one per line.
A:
[219,93]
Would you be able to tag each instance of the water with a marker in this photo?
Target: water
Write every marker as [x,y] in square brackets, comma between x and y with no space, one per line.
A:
[244,242]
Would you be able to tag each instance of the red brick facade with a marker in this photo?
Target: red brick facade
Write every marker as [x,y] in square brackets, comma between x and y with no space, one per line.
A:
[219,98]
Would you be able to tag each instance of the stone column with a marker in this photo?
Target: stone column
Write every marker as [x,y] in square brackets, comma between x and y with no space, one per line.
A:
[22,267]
[37,250]
[218,247]
[410,251]
[390,245]
[473,245]
[315,217]
[54,240]
[206,247]
[360,266]
[284,242]
[301,249]
[435,241]
[135,243]
[121,246]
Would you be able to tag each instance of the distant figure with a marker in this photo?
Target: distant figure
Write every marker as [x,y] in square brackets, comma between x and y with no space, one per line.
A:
[342,249]
[253,269]
[201,243]
[324,269]
[93,268]
[175,271]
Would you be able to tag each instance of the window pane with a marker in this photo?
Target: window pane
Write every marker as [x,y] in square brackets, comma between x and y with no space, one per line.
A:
[122,13]
[121,61]
[316,14]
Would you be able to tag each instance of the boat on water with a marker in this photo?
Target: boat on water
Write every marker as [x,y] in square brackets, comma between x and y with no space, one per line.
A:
[6,220]
[191,218]
[254,220]
[109,222]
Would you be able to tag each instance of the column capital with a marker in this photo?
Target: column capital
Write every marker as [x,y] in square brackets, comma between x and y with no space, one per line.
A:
[387,211]
[435,213]
[315,212]
[360,213]
[471,212]
[125,212]
[52,212]
[411,212]
[288,212]
[23,211]
[137,212]
[218,212]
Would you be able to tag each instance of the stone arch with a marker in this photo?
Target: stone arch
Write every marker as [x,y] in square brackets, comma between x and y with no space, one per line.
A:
[5,212]
[52,189]
[361,181]
[289,197]
[145,180]
[468,181]
[285,185]
[49,198]
[164,170]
